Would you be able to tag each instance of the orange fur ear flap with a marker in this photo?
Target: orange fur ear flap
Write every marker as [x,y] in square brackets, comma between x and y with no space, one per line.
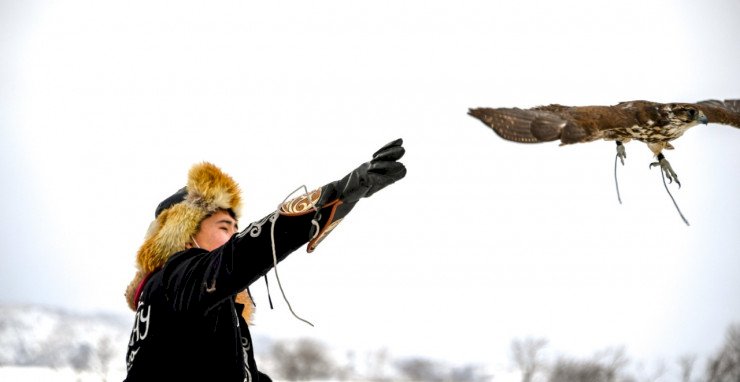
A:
[133,286]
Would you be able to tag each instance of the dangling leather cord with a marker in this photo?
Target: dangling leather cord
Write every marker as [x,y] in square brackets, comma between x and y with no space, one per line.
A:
[268,290]
[274,255]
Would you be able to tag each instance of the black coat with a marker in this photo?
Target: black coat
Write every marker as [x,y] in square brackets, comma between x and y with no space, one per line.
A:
[188,326]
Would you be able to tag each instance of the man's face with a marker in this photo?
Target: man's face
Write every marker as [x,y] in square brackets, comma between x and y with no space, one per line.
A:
[215,230]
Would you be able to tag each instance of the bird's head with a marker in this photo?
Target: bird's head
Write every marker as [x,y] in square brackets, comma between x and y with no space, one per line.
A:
[686,114]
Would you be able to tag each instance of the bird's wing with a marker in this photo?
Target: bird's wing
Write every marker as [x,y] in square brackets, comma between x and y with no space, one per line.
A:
[725,112]
[519,125]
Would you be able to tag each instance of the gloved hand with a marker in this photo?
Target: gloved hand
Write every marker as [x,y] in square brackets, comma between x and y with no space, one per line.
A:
[341,196]
[370,177]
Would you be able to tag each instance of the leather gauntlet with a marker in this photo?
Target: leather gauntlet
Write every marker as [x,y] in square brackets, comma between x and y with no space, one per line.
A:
[332,202]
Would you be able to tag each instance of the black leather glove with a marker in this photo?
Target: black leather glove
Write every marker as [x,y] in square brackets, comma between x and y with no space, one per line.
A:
[370,177]
[338,198]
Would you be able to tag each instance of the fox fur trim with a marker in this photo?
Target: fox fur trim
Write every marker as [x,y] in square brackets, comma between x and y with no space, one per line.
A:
[208,190]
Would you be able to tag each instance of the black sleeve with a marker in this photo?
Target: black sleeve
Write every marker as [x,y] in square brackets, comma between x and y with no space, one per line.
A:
[197,279]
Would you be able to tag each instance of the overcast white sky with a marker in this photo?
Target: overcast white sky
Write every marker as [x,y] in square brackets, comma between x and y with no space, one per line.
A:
[104,106]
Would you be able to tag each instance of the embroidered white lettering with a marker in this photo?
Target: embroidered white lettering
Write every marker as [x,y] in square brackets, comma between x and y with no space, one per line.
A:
[139,332]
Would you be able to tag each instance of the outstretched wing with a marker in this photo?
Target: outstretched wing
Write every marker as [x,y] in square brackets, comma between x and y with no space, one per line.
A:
[725,112]
[545,123]
[519,125]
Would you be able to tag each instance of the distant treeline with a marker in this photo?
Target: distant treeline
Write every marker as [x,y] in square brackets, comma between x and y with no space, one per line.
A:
[36,336]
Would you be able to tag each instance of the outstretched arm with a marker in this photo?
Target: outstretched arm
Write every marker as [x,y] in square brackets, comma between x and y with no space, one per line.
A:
[207,278]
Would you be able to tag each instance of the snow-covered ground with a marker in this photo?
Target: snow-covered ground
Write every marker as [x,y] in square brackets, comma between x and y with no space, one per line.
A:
[46,344]
[36,374]
[40,343]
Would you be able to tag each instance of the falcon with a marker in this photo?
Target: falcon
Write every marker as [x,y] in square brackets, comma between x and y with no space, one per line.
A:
[655,124]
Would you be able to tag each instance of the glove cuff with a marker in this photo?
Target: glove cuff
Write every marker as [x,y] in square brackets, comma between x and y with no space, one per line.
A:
[327,214]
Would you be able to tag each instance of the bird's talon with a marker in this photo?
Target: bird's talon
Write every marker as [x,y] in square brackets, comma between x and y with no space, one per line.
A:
[665,166]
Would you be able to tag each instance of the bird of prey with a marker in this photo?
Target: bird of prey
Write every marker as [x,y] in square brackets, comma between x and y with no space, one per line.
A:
[655,124]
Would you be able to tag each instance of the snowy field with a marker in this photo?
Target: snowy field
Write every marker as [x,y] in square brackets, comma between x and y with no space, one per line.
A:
[36,374]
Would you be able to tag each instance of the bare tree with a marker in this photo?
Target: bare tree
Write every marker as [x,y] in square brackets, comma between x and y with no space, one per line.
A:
[105,353]
[421,369]
[16,349]
[81,358]
[612,360]
[527,356]
[54,351]
[686,363]
[725,366]
[377,363]
[304,359]
[658,370]
[424,369]
[469,373]
[348,369]
[577,371]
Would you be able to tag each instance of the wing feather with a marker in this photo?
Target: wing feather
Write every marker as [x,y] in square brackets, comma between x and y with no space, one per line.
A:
[519,125]
[725,112]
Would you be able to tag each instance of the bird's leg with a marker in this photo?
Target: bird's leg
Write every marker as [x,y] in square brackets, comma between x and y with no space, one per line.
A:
[667,169]
[621,152]
[670,174]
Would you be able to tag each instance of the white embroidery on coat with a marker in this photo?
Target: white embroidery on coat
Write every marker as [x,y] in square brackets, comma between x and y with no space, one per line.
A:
[142,320]
[246,346]
[255,228]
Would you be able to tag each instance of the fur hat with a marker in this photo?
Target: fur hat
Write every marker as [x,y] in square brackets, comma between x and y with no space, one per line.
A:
[178,218]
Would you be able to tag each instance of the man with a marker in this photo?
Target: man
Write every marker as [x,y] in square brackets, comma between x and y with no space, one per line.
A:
[190,292]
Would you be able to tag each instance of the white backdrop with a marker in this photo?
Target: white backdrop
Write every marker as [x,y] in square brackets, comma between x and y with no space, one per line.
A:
[104,106]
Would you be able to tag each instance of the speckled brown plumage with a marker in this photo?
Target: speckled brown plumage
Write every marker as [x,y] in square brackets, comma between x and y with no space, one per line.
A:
[650,122]
[655,124]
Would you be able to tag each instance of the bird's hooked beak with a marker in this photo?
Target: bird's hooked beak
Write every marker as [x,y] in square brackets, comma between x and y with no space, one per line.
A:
[703,118]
